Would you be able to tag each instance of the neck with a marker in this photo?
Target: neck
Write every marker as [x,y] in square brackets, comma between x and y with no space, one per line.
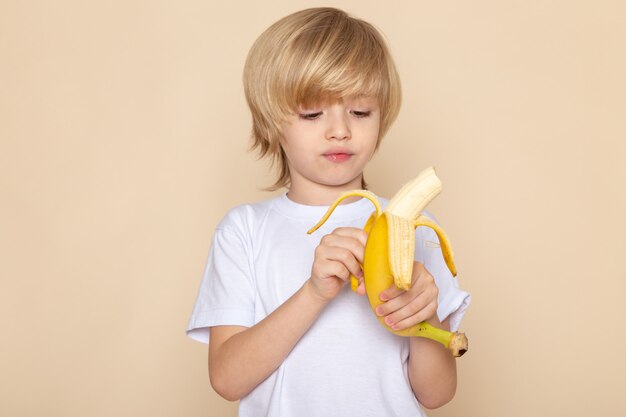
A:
[320,194]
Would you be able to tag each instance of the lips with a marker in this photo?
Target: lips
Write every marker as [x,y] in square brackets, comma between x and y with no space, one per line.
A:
[337,155]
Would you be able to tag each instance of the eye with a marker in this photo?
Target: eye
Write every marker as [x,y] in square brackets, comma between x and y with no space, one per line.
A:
[310,116]
[361,114]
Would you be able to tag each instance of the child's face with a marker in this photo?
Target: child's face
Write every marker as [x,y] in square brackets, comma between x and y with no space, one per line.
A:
[329,144]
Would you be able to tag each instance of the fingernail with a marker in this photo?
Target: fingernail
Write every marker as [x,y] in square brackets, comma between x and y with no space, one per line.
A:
[389,322]
[379,311]
[382,297]
[360,274]
[395,327]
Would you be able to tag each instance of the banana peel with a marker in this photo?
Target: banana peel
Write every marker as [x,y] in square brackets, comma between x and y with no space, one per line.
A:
[389,251]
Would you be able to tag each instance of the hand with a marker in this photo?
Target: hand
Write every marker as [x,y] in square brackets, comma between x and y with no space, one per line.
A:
[403,309]
[338,255]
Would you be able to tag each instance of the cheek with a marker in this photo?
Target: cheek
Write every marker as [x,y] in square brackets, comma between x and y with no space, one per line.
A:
[374,144]
[374,135]
[293,152]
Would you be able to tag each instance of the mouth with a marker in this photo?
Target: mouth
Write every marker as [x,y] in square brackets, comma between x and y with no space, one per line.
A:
[337,156]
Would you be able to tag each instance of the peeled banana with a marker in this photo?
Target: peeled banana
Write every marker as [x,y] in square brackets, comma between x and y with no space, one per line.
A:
[390,246]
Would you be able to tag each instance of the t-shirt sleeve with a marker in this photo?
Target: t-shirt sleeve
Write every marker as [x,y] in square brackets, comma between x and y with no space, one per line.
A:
[453,301]
[226,294]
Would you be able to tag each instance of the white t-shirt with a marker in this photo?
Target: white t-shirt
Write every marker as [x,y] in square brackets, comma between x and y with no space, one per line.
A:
[347,364]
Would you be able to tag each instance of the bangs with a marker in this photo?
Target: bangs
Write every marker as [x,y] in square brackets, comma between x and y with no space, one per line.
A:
[331,61]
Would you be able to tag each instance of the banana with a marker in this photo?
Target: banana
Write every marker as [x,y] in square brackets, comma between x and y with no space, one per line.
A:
[390,246]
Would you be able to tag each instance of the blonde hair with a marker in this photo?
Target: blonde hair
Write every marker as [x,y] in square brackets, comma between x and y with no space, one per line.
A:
[310,56]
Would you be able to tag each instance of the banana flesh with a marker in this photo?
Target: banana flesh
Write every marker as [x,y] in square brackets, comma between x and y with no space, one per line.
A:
[389,251]
[401,247]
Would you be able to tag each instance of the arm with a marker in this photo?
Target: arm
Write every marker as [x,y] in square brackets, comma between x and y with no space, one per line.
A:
[431,367]
[241,358]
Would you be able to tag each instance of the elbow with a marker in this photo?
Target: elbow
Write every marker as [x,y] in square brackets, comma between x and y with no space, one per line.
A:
[224,388]
[434,404]
[437,400]
[434,396]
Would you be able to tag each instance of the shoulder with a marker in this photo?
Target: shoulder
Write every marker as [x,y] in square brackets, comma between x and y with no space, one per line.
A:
[245,216]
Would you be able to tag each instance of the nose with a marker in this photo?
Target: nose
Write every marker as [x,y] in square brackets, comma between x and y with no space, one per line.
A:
[338,126]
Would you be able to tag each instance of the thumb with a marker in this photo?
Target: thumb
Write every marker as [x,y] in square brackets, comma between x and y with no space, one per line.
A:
[361,288]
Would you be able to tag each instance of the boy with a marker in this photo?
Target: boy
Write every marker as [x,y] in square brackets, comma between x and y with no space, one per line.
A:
[287,336]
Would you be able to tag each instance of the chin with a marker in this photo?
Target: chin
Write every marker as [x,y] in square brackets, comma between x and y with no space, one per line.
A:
[344,182]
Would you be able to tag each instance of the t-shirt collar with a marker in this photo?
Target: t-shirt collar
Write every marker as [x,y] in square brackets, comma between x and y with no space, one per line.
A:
[343,212]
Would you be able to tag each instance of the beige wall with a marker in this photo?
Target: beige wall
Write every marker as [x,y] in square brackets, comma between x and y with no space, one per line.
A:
[123,134]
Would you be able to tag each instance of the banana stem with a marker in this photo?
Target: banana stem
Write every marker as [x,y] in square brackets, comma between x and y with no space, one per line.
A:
[456,342]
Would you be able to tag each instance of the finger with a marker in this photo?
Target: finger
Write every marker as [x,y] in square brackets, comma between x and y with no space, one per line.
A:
[329,254]
[394,304]
[410,315]
[420,296]
[418,268]
[347,242]
[417,285]
[353,232]
[348,260]
[390,293]
[327,265]
[424,282]
[361,288]
[336,269]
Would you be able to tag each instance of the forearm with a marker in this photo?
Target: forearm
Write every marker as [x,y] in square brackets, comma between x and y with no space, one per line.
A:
[247,358]
[432,371]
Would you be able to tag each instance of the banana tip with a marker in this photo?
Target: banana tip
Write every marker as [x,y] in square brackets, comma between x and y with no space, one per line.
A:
[459,344]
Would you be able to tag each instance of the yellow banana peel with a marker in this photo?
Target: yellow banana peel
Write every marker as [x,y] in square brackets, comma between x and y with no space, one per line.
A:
[389,251]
